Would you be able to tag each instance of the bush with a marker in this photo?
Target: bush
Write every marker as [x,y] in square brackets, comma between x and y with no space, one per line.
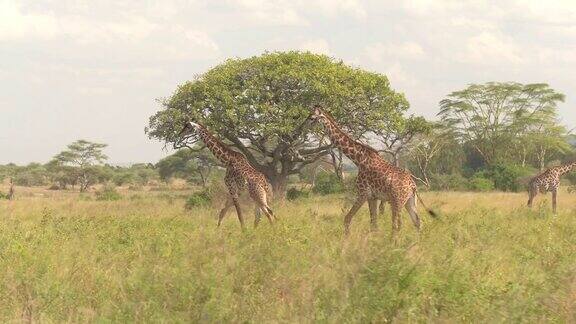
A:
[198,199]
[294,194]
[3,195]
[328,183]
[479,183]
[454,182]
[507,177]
[108,193]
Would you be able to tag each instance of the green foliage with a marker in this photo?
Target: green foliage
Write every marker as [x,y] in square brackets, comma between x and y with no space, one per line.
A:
[79,160]
[501,121]
[108,193]
[295,194]
[507,177]
[33,174]
[479,183]
[194,165]
[451,182]
[4,195]
[488,260]
[198,199]
[260,106]
[327,183]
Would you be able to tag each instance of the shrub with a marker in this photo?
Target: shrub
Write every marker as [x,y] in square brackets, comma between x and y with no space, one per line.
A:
[108,193]
[198,199]
[3,195]
[294,194]
[507,177]
[454,181]
[327,183]
[479,183]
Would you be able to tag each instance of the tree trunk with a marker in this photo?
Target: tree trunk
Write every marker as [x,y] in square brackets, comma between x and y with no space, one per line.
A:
[279,183]
[396,159]
[337,164]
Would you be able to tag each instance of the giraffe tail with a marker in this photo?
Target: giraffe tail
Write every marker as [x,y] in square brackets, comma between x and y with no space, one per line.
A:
[430,211]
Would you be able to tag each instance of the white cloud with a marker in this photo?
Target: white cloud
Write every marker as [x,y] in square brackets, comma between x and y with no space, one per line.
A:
[491,48]
[380,52]
[15,25]
[297,12]
[550,11]
[318,46]
[550,55]
[334,8]
[399,78]
[276,12]
[126,36]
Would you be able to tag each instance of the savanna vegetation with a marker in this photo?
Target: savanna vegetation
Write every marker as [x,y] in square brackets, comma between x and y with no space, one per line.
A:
[85,240]
[145,257]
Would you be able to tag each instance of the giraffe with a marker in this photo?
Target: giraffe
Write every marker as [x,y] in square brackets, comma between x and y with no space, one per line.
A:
[548,180]
[239,175]
[377,178]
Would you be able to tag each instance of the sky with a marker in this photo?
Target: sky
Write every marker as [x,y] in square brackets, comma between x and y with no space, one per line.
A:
[79,69]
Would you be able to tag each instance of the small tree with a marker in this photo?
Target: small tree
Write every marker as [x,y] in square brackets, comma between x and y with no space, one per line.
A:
[82,156]
[191,164]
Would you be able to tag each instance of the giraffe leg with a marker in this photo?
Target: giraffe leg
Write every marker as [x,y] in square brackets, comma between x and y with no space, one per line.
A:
[373,205]
[531,194]
[348,218]
[382,208]
[238,211]
[554,194]
[258,194]
[224,210]
[396,221]
[257,216]
[411,208]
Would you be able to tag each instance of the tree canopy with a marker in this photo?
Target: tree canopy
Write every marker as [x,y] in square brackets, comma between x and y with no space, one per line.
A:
[492,116]
[260,106]
[78,162]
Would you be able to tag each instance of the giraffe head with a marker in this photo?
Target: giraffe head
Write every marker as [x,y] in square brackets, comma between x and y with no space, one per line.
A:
[317,113]
[190,129]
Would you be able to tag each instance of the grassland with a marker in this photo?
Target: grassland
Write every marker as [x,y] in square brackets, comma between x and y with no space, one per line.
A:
[66,257]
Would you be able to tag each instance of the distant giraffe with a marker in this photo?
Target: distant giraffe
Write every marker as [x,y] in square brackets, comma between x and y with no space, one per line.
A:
[548,180]
[377,178]
[239,174]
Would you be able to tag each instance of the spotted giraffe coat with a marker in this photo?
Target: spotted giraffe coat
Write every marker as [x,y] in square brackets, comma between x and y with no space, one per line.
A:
[240,174]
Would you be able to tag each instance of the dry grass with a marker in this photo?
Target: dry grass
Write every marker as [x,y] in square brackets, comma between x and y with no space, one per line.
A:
[66,257]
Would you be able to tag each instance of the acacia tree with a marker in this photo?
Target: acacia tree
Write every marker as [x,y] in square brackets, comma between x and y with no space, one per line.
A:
[397,138]
[260,107]
[490,116]
[191,164]
[542,138]
[82,156]
[428,146]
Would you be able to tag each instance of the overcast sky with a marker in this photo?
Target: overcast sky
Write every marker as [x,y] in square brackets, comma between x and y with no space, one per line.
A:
[72,69]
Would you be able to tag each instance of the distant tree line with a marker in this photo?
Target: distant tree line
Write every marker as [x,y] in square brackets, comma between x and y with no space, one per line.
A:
[82,165]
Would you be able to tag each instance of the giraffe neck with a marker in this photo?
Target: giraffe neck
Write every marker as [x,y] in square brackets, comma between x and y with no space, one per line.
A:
[567,167]
[358,153]
[220,151]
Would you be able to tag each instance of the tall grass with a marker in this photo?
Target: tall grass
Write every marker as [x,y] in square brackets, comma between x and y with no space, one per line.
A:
[149,259]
